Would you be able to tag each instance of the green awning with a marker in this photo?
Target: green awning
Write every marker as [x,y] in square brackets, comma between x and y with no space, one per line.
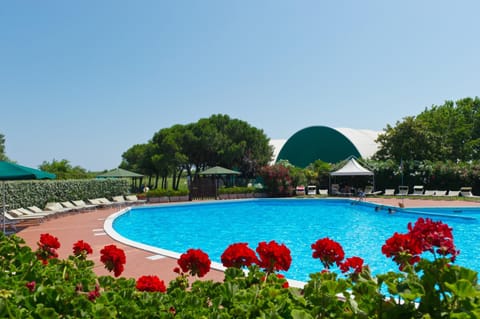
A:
[119,173]
[218,170]
[11,171]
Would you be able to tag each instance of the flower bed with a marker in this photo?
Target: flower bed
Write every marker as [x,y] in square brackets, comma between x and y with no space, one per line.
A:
[36,284]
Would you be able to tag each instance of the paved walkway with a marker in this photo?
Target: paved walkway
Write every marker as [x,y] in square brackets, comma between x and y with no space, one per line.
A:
[88,226]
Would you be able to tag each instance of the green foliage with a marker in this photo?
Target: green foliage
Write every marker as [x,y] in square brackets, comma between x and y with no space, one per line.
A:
[236,190]
[64,170]
[3,156]
[166,192]
[218,140]
[70,289]
[38,193]
[446,132]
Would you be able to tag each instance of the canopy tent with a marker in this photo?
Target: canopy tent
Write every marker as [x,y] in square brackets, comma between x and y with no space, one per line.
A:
[119,173]
[352,168]
[12,171]
[218,171]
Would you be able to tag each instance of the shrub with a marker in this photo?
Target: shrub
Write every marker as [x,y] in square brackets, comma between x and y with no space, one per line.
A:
[424,288]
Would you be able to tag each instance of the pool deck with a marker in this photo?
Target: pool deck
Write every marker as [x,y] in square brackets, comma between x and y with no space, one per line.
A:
[89,227]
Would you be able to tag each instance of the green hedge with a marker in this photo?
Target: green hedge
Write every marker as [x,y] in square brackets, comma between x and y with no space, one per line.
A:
[38,193]
[236,190]
[166,192]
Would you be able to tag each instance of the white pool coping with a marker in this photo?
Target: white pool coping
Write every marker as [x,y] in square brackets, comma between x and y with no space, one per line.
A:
[108,227]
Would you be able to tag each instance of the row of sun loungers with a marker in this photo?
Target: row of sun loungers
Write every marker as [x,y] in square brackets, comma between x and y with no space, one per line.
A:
[419,191]
[33,215]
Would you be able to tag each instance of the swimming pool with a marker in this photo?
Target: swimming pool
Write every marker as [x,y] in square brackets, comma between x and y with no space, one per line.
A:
[357,226]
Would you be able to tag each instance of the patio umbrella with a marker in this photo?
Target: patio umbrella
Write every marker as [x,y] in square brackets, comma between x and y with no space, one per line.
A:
[218,171]
[12,171]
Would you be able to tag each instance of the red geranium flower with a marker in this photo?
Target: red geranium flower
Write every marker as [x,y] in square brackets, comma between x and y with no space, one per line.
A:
[195,261]
[94,294]
[432,234]
[404,248]
[150,283]
[328,251]
[273,256]
[31,285]
[47,247]
[355,263]
[113,258]
[81,248]
[238,255]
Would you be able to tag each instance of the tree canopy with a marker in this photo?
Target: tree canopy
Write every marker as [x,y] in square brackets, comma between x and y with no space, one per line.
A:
[64,170]
[445,132]
[215,141]
[3,156]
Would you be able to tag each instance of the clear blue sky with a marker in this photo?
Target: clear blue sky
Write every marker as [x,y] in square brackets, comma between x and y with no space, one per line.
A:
[86,80]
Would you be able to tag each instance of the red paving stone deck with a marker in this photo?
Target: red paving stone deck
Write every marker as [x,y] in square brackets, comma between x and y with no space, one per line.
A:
[88,226]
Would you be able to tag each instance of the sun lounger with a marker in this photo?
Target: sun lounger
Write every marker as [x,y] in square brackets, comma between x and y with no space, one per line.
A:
[80,204]
[300,190]
[14,215]
[27,212]
[429,193]
[323,191]
[417,190]
[440,193]
[467,192]
[402,190]
[369,191]
[453,193]
[311,190]
[56,207]
[389,192]
[134,199]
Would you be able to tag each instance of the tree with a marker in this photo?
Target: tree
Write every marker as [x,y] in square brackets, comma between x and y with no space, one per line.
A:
[3,156]
[447,132]
[64,170]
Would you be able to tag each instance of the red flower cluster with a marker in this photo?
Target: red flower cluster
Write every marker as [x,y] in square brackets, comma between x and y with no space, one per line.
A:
[328,251]
[273,256]
[113,258]
[31,286]
[81,249]
[404,249]
[195,261]
[238,255]
[47,248]
[355,263]
[151,284]
[94,294]
[434,234]
[424,236]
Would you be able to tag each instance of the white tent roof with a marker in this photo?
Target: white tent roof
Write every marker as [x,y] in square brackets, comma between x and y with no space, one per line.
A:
[352,168]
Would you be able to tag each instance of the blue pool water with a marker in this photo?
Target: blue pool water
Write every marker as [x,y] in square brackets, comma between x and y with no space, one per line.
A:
[358,227]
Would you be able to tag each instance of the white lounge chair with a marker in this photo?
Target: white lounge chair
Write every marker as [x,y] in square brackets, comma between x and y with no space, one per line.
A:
[440,193]
[323,191]
[429,192]
[369,191]
[389,192]
[417,190]
[300,190]
[453,193]
[82,205]
[467,192]
[134,199]
[402,190]
[311,190]
[56,207]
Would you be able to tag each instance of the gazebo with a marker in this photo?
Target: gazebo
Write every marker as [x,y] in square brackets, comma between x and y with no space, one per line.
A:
[351,168]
